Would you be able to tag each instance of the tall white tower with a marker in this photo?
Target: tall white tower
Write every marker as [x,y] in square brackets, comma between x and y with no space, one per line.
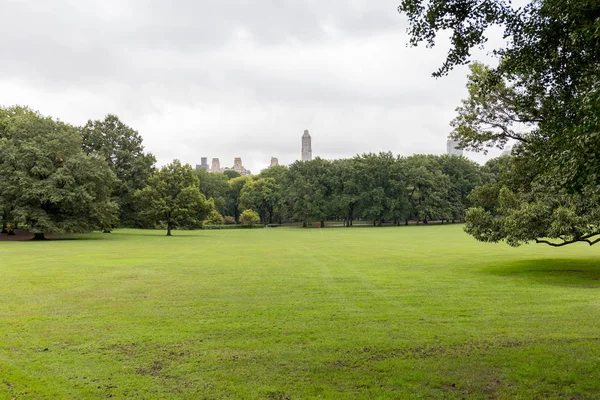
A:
[306,147]
[451,148]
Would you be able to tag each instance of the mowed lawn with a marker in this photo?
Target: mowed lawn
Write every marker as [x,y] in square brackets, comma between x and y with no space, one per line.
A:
[396,312]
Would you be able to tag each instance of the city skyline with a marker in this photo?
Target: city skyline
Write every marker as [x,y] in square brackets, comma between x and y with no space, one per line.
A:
[230,81]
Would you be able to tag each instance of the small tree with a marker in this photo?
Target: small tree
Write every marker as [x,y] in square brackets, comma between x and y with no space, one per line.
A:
[214,218]
[249,218]
[172,197]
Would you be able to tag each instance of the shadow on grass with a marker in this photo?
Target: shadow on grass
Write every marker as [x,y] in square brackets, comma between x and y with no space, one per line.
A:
[582,273]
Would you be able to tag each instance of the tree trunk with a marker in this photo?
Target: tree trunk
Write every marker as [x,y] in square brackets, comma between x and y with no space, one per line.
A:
[322,224]
[304,224]
[38,236]
[405,222]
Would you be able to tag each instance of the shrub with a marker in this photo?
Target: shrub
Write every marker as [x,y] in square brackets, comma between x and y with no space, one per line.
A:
[249,218]
[229,220]
[214,218]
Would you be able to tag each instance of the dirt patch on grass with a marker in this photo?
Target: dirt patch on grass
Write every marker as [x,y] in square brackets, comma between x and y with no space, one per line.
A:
[454,351]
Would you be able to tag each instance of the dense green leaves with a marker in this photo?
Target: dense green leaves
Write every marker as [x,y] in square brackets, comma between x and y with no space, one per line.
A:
[122,148]
[544,94]
[47,183]
[172,198]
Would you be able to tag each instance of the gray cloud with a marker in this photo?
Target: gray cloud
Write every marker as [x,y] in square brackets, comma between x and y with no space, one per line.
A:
[231,78]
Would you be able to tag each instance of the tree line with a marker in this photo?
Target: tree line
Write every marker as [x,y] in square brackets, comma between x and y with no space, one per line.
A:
[58,178]
[382,188]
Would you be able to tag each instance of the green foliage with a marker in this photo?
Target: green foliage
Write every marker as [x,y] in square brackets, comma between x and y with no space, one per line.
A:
[262,194]
[122,148]
[309,190]
[428,189]
[231,174]
[229,220]
[544,94]
[214,218]
[172,197]
[47,183]
[214,186]
[235,189]
[249,218]
[519,210]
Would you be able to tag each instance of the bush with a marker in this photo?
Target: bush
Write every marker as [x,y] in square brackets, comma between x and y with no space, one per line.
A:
[229,220]
[214,218]
[249,218]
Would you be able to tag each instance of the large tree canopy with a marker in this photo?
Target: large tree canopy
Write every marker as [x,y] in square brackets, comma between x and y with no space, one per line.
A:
[122,148]
[544,94]
[47,183]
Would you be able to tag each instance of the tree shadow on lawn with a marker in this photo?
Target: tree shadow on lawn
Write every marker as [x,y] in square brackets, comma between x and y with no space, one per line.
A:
[582,273]
[22,235]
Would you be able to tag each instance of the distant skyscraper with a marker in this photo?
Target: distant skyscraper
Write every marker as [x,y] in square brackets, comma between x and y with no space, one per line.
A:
[306,147]
[203,164]
[216,165]
[507,151]
[451,148]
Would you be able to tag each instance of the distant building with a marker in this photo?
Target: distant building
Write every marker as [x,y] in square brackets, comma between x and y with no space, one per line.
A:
[203,164]
[238,167]
[451,148]
[306,147]
[216,166]
[507,151]
[274,162]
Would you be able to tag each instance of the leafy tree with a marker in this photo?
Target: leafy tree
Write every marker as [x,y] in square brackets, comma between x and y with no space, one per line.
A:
[544,94]
[347,189]
[172,197]
[427,189]
[214,186]
[310,190]
[262,194]
[47,183]
[464,176]
[280,175]
[249,218]
[230,174]
[522,206]
[214,218]
[380,178]
[233,196]
[122,148]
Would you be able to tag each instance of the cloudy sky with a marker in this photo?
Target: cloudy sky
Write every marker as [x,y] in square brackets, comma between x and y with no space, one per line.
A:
[232,78]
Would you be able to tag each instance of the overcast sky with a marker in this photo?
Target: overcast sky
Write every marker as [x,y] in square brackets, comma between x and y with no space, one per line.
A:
[232,78]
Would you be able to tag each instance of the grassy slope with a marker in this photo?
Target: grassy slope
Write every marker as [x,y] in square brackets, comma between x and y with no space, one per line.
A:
[292,313]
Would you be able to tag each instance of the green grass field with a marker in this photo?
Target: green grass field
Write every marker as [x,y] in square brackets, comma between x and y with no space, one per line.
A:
[407,312]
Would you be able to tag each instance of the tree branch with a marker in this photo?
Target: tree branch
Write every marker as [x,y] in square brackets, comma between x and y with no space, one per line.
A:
[566,242]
